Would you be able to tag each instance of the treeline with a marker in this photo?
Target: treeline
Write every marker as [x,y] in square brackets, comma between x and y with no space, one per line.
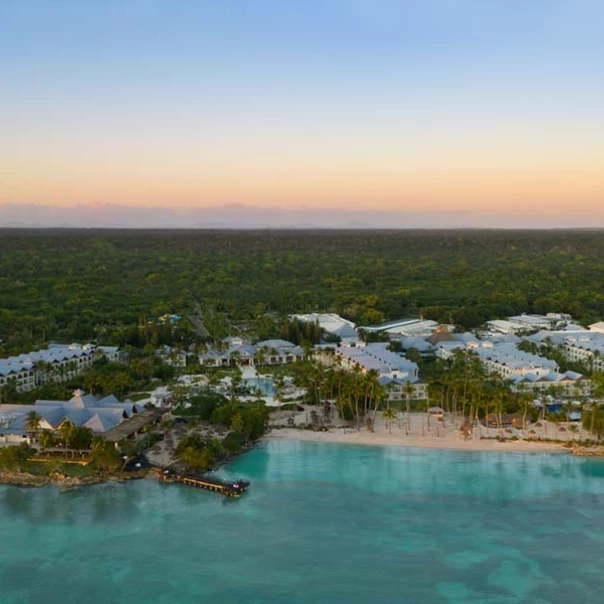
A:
[95,285]
[300,332]
[246,423]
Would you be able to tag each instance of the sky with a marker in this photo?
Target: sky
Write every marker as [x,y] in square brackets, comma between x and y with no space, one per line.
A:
[473,107]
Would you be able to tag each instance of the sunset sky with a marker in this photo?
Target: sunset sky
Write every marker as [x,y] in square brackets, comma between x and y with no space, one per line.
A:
[407,105]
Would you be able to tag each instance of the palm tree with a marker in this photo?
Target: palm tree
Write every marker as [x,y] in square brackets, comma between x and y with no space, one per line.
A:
[46,439]
[408,397]
[389,414]
[98,443]
[280,388]
[42,371]
[32,423]
[66,431]
[526,398]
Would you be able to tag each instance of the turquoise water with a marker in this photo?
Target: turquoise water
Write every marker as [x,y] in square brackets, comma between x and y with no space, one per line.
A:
[264,384]
[321,523]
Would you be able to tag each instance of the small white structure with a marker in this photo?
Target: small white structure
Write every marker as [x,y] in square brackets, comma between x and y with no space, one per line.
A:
[161,397]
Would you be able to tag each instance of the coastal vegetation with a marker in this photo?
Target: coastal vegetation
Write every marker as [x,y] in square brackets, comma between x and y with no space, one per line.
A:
[112,286]
[185,291]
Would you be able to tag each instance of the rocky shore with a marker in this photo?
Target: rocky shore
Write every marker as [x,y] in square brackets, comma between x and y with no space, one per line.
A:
[588,451]
[24,479]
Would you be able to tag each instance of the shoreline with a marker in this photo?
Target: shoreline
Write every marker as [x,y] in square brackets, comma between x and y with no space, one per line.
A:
[444,443]
[27,480]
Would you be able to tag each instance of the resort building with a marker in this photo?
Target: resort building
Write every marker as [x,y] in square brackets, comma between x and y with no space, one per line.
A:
[173,357]
[524,322]
[269,352]
[567,385]
[375,357]
[579,345]
[112,353]
[507,360]
[98,414]
[524,370]
[422,345]
[405,327]
[57,363]
[397,388]
[586,347]
[394,370]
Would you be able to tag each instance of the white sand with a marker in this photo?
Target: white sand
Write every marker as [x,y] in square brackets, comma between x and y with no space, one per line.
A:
[419,436]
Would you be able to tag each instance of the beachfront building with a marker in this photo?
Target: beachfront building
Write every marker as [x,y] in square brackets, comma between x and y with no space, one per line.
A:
[235,352]
[566,385]
[394,371]
[397,388]
[98,414]
[527,371]
[331,324]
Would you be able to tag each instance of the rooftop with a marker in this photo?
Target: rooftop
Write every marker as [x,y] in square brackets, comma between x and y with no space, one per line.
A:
[134,424]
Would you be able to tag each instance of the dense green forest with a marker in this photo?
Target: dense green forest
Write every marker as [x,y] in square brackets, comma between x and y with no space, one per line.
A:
[88,284]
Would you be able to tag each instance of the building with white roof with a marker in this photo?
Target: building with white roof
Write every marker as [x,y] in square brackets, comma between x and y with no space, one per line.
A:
[567,384]
[405,327]
[394,370]
[332,324]
[376,357]
[396,388]
[579,345]
[525,370]
[526,322]
[268,352]
[507,360]
[585,347]
[57,363]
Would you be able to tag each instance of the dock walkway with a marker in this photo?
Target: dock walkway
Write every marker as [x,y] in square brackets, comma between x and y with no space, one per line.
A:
[225,487]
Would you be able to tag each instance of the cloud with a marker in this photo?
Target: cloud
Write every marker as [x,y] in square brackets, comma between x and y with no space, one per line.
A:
[238,216]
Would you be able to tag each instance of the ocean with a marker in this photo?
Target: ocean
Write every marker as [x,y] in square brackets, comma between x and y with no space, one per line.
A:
[320,523]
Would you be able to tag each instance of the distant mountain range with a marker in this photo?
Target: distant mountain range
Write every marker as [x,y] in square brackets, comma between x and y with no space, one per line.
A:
[237,216]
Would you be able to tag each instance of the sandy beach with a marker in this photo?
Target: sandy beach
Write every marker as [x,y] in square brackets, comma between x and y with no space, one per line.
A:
[447,438]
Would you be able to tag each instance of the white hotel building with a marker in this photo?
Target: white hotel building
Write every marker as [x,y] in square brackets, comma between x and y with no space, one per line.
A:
[529,371]
[57,363]
[394,370]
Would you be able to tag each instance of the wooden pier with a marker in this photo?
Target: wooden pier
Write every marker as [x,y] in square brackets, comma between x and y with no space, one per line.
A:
[225,487]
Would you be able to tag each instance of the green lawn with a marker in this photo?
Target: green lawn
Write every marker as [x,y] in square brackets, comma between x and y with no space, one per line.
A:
[139,396]
[46,468]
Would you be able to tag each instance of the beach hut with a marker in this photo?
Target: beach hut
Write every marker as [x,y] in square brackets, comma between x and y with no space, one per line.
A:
[436,412]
